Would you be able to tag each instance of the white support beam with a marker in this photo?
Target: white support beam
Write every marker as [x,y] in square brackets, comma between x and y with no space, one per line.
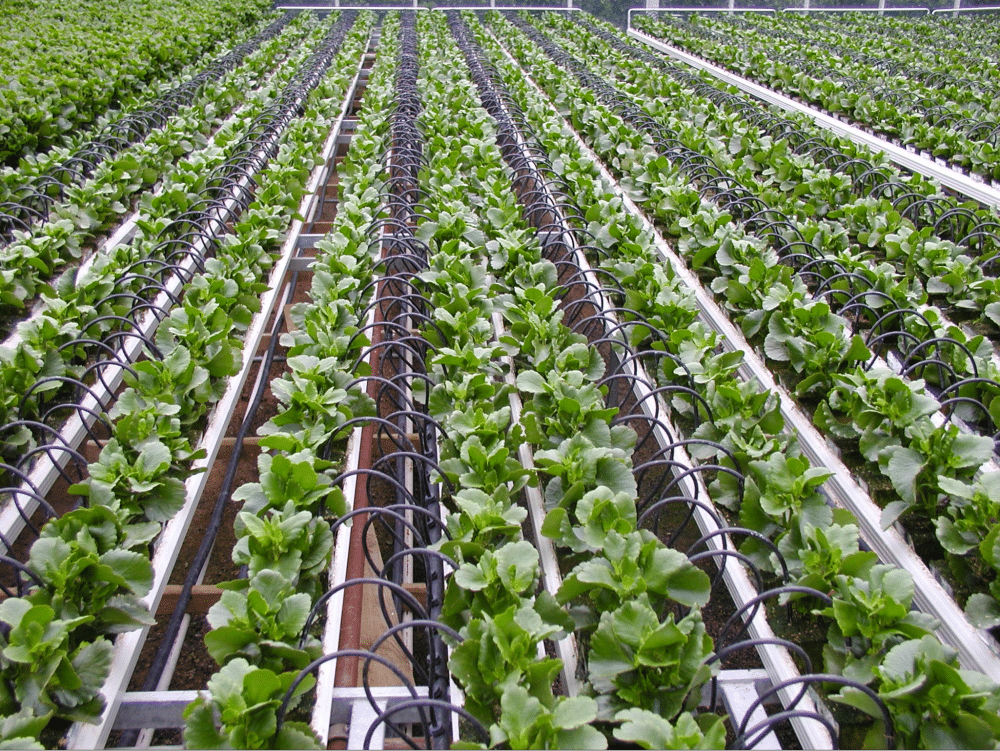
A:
[957,8]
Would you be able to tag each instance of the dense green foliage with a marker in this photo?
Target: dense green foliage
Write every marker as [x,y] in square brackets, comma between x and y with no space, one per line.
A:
[65,64]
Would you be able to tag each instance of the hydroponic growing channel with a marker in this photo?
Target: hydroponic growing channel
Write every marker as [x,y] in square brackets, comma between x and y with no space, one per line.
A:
[409,378]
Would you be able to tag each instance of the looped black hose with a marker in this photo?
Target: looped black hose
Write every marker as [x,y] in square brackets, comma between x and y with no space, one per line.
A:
[755,602]
[23,586]
[316,664]
[14,493]
[806,680]
[440,706]
[721,654]
[403,494]
[79,462]
[652,515]
[719,557]
[743,532]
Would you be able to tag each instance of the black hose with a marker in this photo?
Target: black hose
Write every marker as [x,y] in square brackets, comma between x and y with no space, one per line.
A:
[158,665]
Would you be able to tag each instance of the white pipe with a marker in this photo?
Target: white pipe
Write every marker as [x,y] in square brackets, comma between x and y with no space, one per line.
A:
[958,9]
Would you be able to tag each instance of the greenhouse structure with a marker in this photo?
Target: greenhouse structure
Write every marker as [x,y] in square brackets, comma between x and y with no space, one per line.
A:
[571,375]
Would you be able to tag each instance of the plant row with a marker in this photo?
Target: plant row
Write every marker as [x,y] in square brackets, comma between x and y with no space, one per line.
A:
[942,44]
[31,191]
[911,120]
[933,87]
[929,51]
[780,497]
[93,207]
[117,289]
[944,251]
[90,568]
[261,635]
[67,64]
[913,453]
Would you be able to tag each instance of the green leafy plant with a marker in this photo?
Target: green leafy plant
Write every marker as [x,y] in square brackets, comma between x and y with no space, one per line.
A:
[934,703]
[48,673]
[240,711]
[637,660]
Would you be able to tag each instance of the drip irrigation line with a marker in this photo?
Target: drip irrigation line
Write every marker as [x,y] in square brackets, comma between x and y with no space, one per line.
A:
[158,665]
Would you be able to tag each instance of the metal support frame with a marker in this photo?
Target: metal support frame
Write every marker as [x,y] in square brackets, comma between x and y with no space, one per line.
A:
[414,6]
[569,6]
[731,8]
[806,7]
[337,6]
[880,10]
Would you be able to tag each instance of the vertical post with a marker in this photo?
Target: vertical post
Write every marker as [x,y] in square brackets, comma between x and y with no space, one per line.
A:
[652,4]
[805,4]
[957,6]
[881,7]
[732,6]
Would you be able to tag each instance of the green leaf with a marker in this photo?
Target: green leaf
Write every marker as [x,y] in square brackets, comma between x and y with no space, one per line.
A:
[892,512]
[903,468]
[135,568]
[517,565]
[983,611]
[471,577]
[853,697]
[531,382]
[155,457]
[295,735]
[199,727]
[585,737]
[573,712]
[92,663]
[670,572]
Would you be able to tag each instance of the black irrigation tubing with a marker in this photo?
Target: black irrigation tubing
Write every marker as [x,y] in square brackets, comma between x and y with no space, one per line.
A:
[510,120]
[889,330]
[510,113]
[403,162]
[33,199]
[517,142]
[950,220]
[415,508]
[932,112]
[202,226]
